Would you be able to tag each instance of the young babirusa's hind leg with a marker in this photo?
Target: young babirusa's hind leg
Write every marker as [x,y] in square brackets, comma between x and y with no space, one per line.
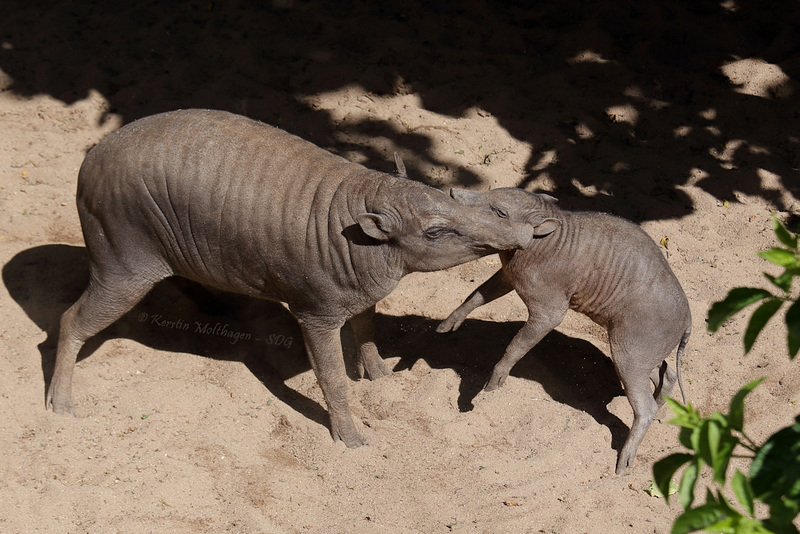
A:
[636,382]
[100,305]
[494,288]
[663,379]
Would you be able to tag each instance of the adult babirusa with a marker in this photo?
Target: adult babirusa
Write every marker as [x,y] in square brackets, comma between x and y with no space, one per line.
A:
[244,207]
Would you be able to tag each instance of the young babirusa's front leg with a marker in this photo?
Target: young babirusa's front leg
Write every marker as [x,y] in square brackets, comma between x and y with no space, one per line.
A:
[494,288]
[537,326]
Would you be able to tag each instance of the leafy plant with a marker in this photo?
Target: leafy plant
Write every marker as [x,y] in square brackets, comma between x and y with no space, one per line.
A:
[741,297]
[774,473]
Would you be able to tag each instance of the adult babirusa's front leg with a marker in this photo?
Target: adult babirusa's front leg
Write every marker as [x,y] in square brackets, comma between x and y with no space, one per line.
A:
[324,348]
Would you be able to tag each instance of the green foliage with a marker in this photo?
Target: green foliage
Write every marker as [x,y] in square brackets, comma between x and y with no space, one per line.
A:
[774,474]
[741,297]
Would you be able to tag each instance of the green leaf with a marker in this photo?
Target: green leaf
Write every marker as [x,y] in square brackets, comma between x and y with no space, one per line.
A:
[712,433]
[759,320]
[737,299]
[738,524]
[702,443]
[688,480]
[678,408]
[720,419]
[775,471]
[784,235]
[699,518]
[723,458]
[654,491]
[685,437]
[736,415]
[784,281]
[719,444]
[781,515]
[779,256]
[686,416]
[664,470]
[793,327]
[732,512]
[714,444]
[699,439]
[743,491]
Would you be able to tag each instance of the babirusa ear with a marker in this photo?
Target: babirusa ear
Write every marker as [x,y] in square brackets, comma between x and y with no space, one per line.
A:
[375,225]
[546,227]
[548,198]
[462,196]
[400,167]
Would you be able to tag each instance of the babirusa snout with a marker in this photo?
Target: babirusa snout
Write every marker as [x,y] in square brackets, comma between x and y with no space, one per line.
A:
[524,234]
[508,235]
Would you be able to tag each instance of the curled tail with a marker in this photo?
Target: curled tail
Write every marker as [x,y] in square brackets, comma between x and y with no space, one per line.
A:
[678,356]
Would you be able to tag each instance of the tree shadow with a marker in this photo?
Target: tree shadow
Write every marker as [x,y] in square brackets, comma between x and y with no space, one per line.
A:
[572,371]
[622,103]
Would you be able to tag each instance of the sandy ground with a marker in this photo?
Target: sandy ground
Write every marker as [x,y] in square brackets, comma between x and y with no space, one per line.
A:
[682,117]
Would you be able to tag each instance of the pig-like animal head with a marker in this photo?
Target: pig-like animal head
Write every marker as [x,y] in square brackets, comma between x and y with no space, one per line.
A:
[513,204]
[428,231]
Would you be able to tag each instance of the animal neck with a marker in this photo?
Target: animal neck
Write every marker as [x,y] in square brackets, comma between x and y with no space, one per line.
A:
[371,265]
[541,209]
[546,244]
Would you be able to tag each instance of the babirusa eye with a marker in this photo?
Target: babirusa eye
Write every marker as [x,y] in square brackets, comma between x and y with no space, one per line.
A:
[435,232]
[499,212]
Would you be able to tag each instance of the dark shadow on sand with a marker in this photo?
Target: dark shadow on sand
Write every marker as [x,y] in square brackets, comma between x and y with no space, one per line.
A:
[182,316]
[572,371]
[177,315]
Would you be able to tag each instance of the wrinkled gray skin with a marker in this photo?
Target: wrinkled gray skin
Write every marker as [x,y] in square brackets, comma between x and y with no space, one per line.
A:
[244,207]
[602,266]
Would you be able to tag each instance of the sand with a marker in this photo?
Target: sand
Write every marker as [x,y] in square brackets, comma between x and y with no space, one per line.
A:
[683,118]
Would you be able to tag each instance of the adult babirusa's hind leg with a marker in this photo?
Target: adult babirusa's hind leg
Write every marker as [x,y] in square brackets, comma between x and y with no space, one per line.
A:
[368,361]
[103,302]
